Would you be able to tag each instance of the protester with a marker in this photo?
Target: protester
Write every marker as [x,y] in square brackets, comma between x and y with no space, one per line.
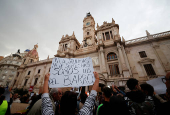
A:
[138,103]
[55,96]
[119,105]
[87,109]
[68,103]
[151,94]
[3,102]
[16,99]
[83,99]
[34,99]
[4,105]
[25,98]
[105,107]
[164,107]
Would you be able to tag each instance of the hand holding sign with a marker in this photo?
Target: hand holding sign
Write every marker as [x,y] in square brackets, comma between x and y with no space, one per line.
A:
[72,72]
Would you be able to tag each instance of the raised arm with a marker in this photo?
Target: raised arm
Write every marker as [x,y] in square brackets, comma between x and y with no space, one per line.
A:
[47,108]
[87,109]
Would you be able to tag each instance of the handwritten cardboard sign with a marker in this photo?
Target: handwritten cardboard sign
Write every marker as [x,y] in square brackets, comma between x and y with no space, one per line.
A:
[71,72]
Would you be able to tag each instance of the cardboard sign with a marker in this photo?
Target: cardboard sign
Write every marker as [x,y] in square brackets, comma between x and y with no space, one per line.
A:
[158,85]
[71,72]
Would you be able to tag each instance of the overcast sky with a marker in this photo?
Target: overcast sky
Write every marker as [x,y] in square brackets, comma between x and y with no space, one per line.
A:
[24,23]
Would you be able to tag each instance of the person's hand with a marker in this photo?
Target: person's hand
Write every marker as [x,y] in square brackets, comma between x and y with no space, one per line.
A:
[96,75]
[96,83]
[47,76]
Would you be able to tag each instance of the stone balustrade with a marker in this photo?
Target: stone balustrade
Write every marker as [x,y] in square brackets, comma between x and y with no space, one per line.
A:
[162,34]
[145,38]
[136,40]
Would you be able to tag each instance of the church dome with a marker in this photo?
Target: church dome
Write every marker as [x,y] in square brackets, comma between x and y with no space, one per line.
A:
[27,50]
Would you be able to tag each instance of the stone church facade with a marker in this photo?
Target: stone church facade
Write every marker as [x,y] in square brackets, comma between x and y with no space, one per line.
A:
[115,59]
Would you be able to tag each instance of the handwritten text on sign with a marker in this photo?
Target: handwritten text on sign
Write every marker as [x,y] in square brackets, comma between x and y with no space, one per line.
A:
[71,72]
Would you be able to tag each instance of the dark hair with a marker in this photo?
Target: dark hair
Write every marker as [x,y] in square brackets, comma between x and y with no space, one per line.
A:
[83,97]
[148,88]
[107,92]
[68,103]
[131,83]
[119,105]
[2,90]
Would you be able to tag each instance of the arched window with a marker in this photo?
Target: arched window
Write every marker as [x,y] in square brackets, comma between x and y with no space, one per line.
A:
[111,56]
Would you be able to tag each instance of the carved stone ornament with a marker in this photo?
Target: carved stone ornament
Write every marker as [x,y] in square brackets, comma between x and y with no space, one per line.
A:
[127,50]
[146,60]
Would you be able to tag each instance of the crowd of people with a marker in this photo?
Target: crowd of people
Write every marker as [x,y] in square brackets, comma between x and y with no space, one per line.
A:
[141,99]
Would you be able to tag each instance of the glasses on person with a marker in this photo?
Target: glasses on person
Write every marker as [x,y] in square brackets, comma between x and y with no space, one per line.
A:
[164,80]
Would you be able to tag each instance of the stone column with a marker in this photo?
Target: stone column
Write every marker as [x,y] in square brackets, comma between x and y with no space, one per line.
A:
[124,67]
[21,78]
[126,61]
[105,36]
[161,56]
[102,60]
[110,35]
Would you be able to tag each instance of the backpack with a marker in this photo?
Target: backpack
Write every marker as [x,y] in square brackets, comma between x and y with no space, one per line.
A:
[144,108]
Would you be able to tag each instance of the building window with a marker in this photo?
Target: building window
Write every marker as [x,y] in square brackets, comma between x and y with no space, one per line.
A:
[149,69]
[31,60]
[25,82]
[107,36]
[36,79]
[65,48]
[39,70]
[103,37]
[29,72]
[114,69]
[111,56]
[49,69]
[142,54]
[76,48]
[87,33]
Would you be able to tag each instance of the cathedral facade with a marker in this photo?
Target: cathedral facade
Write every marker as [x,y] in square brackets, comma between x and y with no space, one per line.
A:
[115,59]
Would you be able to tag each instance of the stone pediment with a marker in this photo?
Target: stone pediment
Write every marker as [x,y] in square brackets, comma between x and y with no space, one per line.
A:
[146,60]
[107,25]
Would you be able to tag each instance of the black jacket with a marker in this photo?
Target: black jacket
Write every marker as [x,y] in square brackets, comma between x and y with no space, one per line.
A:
[136,96]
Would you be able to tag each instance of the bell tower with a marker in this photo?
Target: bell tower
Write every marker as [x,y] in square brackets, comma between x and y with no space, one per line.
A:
[88,30]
